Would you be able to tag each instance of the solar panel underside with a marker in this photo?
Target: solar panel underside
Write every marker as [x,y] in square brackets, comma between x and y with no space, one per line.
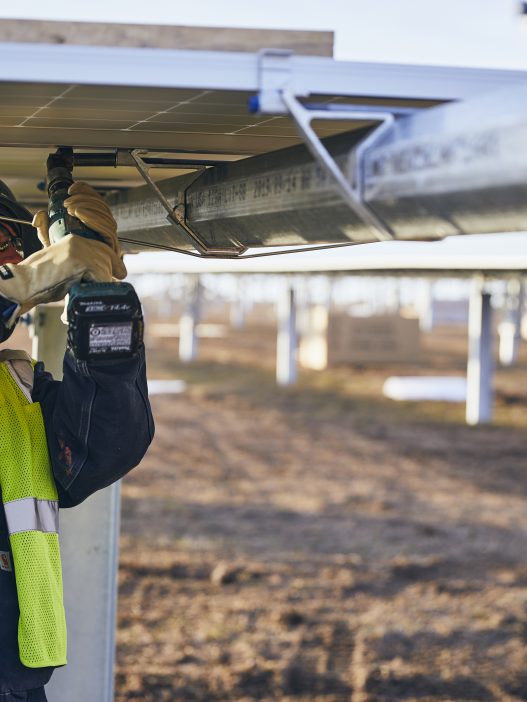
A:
[193,124]
[152,117]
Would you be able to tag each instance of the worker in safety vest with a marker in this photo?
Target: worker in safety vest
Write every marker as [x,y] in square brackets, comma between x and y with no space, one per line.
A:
[59,441]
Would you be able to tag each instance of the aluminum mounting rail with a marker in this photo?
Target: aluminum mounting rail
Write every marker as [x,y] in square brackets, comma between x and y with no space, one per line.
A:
[225,70]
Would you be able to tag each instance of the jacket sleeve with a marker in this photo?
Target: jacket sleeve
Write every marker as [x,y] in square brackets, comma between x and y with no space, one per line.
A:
[98,422]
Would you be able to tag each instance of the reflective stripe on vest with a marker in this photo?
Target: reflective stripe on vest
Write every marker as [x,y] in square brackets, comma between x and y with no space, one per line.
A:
[30,514]
[30,502]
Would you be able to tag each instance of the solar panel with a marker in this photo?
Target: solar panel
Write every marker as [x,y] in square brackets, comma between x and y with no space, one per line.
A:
[188,123]
[189,104]
[192,123]
[162,111]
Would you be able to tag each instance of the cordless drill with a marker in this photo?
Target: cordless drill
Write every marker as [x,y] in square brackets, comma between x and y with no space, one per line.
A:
[104,319]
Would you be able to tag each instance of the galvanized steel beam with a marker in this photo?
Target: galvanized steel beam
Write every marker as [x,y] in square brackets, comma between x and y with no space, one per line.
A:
[455,169]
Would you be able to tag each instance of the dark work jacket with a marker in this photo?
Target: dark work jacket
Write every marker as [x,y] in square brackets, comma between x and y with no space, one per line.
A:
[98,426]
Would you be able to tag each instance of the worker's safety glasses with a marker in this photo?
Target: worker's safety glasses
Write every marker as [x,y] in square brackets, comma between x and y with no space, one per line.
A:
[11,250]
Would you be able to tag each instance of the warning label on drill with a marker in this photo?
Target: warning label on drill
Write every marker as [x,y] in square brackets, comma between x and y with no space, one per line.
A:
[105,338]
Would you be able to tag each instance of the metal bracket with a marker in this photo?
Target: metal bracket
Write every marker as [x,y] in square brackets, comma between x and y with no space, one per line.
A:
[278,94]
[176,215]
[274,75]
[352,194]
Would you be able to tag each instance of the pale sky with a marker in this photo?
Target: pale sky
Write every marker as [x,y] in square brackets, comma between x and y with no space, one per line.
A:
[450,32]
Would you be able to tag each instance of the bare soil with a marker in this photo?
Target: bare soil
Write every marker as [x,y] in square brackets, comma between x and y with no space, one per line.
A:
[321,542]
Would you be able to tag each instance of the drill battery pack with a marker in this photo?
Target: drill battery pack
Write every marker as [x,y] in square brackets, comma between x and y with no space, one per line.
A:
[105,321]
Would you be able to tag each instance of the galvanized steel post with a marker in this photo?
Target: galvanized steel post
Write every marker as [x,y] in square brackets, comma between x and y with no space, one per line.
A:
[239,306]
[188,324]
[510,327]
[287,342]
[426,306]
[89,546]
[480,366]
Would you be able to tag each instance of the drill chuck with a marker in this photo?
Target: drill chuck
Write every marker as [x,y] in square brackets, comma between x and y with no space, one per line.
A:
[60,178]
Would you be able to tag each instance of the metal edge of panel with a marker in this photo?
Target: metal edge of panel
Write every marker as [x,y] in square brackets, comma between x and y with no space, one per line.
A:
[238,71]
[48,137]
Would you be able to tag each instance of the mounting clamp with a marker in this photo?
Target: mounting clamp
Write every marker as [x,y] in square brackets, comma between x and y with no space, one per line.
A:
[176,215]
[352,193]
[278,94]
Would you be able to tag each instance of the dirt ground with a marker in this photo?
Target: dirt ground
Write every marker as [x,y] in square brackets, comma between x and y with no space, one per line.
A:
[321,542]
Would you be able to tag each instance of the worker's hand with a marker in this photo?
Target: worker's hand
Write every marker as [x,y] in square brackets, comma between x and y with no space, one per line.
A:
[48,274]
[87,205]
[41,223]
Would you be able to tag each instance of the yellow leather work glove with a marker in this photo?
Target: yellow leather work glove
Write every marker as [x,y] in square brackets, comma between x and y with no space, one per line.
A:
[87,205]
[48,274]
[41,222]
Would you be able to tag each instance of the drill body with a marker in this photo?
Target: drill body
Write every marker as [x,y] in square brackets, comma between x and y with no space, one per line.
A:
[105,320]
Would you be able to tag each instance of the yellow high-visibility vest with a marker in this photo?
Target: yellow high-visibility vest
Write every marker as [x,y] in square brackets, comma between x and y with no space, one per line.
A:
[30,502]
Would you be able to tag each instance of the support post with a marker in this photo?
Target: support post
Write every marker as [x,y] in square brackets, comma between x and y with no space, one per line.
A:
[48,334]
[238,307]
[480,366]
[89,547]
[286,344]
[393,296]
[426,306]
[330,296]
[188,324]
[510,327]
[523,310]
